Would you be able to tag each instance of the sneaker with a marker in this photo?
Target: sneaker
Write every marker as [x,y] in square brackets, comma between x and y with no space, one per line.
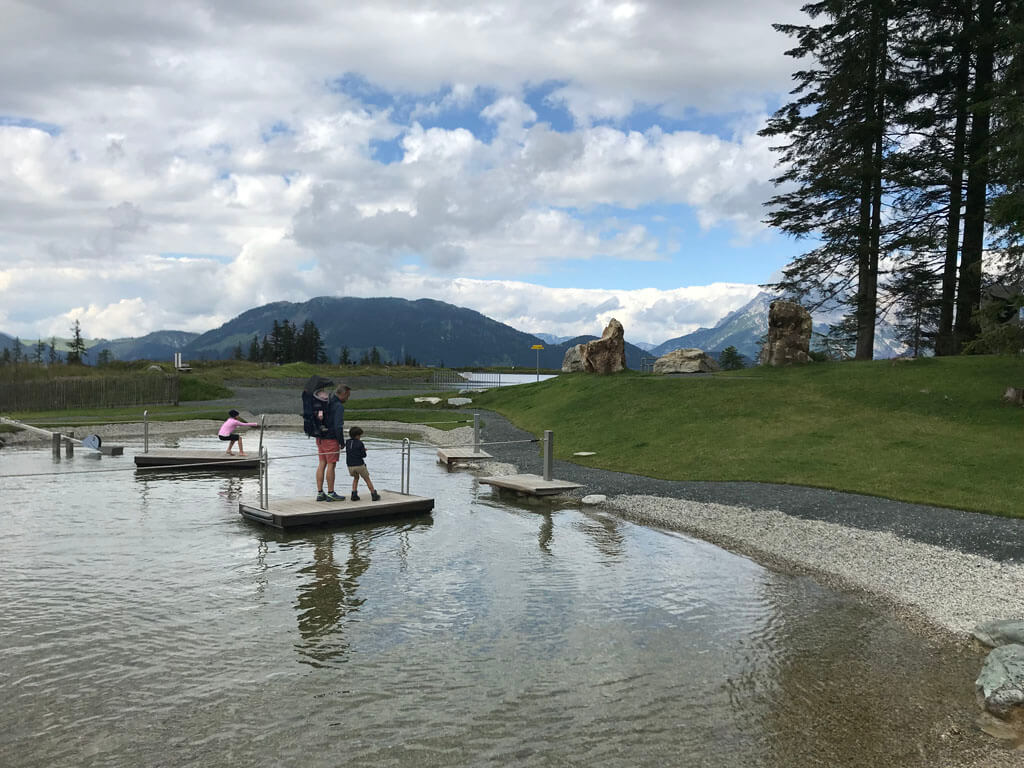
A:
[321,496]
[355,496]
[374,496]
[332,496]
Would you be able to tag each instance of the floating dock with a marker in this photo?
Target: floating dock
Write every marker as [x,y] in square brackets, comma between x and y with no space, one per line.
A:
[200,460]
[532,485]
[451,455]
[301,512]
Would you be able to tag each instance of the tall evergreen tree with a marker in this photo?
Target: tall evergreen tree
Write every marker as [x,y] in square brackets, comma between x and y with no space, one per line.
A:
[76,349]
[836,129]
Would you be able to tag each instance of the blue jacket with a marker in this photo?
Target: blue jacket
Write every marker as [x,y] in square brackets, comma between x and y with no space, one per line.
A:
[334,419]
[355,452]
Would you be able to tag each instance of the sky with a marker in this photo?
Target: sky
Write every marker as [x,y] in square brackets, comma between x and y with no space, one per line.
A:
[550,163]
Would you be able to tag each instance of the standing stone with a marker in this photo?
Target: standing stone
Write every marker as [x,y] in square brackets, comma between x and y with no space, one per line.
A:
[686,361]
[607,354]
[789,334]
[1000,685]
[573,360]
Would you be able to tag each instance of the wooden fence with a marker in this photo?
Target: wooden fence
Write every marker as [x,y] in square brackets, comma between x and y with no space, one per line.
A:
[89,392]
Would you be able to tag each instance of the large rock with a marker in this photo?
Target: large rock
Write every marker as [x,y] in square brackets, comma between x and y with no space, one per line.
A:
[573,360]
[604,355]
[789,334]
[1000,632]
[686,361]
[1000,684]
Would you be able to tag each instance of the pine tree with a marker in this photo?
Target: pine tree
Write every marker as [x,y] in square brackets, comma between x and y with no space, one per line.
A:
[53,357]
[345,357]
[254,350]
[837,137]
[730,359]
[76,349]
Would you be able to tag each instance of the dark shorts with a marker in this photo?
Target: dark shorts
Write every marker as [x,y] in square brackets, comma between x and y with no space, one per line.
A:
[328,449]
[232,438]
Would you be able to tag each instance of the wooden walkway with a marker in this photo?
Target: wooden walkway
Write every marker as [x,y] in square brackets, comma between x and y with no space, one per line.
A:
[531,485]
[301,512]
[210,461]
[451,455]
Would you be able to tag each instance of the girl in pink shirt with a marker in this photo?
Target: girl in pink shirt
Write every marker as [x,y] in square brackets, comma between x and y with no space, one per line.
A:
[227,432]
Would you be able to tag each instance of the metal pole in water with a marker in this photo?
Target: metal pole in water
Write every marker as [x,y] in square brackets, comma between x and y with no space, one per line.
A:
[476,433]
[56,445]
[69,446]
[145,431]
[263,419]
[406,462]
[549,453]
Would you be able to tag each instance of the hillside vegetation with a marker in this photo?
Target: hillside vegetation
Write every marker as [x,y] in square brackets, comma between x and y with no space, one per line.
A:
[932,430]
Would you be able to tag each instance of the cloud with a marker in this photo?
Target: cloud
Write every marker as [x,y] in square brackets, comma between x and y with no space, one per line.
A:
[175,165]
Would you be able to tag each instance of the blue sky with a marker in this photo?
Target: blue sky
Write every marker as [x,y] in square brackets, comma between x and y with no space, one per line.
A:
[550,164]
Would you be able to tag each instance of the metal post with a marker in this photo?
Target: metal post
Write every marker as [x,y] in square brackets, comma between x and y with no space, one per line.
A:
[538,366]
[263,419]
[476,433]
[406,463]
[56,445]
[145,431]
[264,487]
[549,452]
[69,446]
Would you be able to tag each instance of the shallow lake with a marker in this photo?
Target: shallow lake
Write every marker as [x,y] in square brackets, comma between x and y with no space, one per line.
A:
[145,623]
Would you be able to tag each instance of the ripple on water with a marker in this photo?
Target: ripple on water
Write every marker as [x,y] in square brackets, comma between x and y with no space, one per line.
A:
[144,622]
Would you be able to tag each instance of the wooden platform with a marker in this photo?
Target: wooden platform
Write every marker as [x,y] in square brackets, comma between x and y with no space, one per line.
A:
[450,455]
[199,460]
[533,485]
[297,513]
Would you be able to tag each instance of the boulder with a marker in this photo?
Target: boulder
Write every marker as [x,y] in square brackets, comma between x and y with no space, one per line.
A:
[604,355]
[459,401]
[594,499]
[573,360]
[686,361]
[1000,685]
[1001,632]
[789,334]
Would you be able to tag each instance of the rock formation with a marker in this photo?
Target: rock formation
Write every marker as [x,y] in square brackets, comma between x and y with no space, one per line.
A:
[604,355]
[686,361]
[789,334]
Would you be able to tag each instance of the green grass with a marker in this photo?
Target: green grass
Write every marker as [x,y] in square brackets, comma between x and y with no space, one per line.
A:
[932,431]
[443,419]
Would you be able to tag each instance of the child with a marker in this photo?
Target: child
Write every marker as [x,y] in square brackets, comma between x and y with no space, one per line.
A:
[355,454]
[227,432]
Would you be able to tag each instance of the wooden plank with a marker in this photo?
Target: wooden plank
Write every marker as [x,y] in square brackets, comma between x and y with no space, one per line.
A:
[199,460]
[305,511]
[533,485]
[449,455]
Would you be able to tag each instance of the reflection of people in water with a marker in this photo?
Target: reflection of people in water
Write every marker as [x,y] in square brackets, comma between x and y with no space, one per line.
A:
[330,595]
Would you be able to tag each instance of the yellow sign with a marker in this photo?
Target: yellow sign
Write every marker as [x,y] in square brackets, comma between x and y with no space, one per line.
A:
[537,346]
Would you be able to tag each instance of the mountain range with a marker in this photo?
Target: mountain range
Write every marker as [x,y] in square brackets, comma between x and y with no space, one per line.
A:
[435,333]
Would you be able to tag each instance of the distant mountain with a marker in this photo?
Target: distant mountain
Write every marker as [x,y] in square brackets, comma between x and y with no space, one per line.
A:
[549,338]
[744,327]
[646,346]
[433,332]
[159,345]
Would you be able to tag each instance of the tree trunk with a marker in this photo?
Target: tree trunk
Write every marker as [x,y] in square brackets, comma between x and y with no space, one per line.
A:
[969,294]
[945,342]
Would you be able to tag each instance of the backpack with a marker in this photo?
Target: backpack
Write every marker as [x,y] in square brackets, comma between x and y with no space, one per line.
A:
[314,410]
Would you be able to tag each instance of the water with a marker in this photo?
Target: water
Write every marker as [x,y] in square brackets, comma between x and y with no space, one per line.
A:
[143,622]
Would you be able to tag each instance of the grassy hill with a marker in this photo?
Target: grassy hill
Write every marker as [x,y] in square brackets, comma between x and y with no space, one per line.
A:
[932,431]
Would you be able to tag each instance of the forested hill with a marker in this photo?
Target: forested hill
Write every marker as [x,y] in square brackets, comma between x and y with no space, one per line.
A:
[429,331]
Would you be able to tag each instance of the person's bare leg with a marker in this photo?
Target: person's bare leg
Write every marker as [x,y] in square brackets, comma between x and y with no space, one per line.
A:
[330,477]
[320,474]
[241,450]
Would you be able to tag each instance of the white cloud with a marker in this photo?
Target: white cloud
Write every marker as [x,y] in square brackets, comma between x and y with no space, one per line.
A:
[172,165]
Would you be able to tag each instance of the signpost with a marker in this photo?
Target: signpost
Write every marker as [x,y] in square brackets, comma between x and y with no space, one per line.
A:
[538,347]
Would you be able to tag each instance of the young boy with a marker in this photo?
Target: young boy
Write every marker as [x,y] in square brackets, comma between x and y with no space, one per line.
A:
[227,432]
[355,455]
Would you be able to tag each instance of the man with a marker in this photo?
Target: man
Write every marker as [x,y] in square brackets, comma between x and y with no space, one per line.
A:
[328,447]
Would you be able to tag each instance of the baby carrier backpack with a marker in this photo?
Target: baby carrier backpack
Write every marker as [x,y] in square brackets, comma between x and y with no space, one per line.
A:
[314,410]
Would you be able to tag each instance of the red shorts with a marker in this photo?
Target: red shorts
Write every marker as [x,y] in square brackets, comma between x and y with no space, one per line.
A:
[328,449]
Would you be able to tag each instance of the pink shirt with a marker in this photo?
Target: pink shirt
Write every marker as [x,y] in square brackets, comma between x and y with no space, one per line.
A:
[229,426]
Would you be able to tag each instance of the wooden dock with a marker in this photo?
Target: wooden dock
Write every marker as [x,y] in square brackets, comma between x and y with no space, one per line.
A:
[199,460]
[450,455]
[301,512]
[531,485]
